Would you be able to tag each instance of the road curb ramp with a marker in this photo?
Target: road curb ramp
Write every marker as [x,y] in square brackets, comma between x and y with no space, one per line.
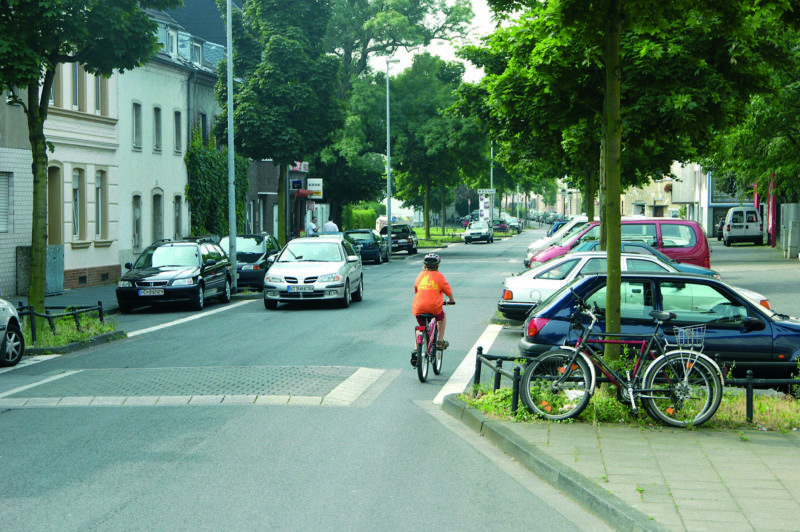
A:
[587,493]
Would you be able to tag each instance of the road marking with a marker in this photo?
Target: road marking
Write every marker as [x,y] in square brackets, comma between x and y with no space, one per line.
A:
[27,361]
[353,387]
[189,318]
[37,383]
[463,374]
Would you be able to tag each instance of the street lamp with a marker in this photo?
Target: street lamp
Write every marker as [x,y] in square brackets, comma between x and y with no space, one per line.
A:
[388,162]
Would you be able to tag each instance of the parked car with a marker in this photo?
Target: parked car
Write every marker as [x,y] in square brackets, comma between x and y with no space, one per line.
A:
[371,245]
[523,292]
[683,240]
[181,271]
[315,268]
[514,224]
[479,231]
[500,225]
[638,247]
[403,238]
[547,241]
[739,332]
[13,345]
[743,224]
[556,226]
[252,252]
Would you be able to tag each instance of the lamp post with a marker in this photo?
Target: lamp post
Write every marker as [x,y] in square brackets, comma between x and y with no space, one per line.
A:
[388,162]
[231,165]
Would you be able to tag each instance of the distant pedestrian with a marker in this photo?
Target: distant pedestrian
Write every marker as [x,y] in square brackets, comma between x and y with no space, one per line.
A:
[330,227]
[311,227]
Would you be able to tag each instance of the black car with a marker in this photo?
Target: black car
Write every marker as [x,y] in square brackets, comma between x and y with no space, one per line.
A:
[370,244]
[168,272]
[403,238]
[252,252]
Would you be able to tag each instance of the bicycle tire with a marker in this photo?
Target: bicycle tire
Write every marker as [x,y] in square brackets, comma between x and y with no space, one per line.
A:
[566,401]
[422,359]
[438,354]
[682,389]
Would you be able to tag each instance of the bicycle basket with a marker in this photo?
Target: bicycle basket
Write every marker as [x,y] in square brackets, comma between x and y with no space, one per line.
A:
[690,337]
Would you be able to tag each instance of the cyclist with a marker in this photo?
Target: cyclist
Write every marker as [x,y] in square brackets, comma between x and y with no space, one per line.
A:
[428,290]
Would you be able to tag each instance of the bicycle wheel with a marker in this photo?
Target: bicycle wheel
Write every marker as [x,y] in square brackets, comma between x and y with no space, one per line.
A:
[550,400]
[422,359]
[437,354]
[682,389]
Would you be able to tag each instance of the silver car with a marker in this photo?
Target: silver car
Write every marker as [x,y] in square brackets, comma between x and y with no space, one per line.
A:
[13,345]
[315,268]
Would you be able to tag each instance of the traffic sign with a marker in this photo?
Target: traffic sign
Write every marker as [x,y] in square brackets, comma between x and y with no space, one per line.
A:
[486,191]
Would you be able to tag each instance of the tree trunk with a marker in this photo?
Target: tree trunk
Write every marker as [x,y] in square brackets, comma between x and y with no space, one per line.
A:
[442,206]
[36,117]
[282,206]
[589,187]
[426,209]
[613,188]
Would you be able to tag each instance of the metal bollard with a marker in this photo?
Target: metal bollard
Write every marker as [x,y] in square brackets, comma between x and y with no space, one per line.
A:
[476,379]
[515,391]
[749,396]
[498,366]
[100,310]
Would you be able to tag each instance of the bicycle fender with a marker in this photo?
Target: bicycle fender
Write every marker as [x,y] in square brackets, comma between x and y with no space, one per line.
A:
[705,357]
[585,358]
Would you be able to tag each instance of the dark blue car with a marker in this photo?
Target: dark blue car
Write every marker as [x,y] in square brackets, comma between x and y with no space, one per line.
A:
[740,333]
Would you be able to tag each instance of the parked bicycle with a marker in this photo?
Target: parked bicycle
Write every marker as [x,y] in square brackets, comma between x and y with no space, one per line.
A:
[427,351]
[680,387]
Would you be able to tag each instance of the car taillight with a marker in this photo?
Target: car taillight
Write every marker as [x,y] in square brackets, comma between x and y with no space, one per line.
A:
[508,295]
[535,326]
[728,228]
[707,262]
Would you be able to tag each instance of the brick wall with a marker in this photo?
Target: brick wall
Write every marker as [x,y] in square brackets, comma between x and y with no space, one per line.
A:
[17,163]
[93,276]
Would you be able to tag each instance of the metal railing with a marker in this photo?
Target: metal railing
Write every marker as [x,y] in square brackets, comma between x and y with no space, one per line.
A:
[495,363]
[73,310]
[749,383]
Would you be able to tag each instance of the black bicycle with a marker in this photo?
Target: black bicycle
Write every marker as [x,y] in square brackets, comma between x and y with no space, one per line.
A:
[680,387]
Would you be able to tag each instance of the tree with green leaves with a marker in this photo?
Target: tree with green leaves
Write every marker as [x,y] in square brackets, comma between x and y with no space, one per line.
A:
[432,148]
[285,105]
[36,37]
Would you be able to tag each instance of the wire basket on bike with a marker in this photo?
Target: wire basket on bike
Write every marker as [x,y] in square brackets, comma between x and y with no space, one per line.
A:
[690,337]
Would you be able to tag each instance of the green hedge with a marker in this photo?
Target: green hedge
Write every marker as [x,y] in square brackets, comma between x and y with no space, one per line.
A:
[355,218]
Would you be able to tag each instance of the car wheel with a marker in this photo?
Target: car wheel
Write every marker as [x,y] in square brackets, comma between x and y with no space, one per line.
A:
[225,297]
[13,346]
[412,251]
[345,301]
[270,304]
[200,298]
[727,243]
[358,295]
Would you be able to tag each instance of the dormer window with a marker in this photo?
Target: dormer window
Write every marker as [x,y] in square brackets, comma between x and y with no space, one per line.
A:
[197,53]
[172,43]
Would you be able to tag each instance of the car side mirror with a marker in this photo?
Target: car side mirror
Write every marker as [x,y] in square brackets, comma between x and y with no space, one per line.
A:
[210,262]
[352,258]
[272,258]
[128,266]
[753,324]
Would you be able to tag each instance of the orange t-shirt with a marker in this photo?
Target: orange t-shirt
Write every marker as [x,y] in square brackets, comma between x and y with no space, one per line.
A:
[428,290]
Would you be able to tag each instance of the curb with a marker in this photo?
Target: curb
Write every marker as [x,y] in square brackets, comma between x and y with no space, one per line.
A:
[75,346]
[585,492]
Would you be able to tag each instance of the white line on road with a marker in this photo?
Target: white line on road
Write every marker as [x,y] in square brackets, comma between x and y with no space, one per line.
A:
[27,361]
[458,381]
[48,379]
[187,319]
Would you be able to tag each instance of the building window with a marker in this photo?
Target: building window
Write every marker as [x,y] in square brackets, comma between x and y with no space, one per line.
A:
[197,54]
[137,126]
[78,205]
[157,128]
[101,96]
[204,128]
[5,201]
[137,222]
[172,38]
[78,88]
[178,206]
[100,205]
[178,132]
[158,217]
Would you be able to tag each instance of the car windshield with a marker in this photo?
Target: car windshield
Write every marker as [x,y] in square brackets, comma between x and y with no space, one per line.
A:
[478,225]
[311,252]
[248,248]
[168,256]
[360,237]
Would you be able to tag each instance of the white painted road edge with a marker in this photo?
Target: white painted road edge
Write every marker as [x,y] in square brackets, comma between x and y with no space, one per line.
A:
[463,374]
[189,318]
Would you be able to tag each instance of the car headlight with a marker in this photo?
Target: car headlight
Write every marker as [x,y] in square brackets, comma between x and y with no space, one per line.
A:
[251,267]
[329,277]
[189,281]
[272,278]
[124,284]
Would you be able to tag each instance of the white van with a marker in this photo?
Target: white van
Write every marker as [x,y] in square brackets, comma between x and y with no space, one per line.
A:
[743,224]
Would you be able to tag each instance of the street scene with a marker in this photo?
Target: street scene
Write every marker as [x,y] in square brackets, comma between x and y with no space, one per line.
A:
[438,265]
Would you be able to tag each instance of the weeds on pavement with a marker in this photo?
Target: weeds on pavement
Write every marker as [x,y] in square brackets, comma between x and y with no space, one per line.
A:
[66,331]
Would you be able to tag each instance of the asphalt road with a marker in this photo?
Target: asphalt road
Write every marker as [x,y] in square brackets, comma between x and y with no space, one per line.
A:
[305,418]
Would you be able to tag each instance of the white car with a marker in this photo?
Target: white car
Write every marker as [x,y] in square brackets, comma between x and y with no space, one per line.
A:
[315,268]
[523,292]
[479,230]
[547,241]
[13,346]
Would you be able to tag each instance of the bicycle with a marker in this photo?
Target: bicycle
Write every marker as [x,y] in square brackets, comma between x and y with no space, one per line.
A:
[681,387]
[426,351]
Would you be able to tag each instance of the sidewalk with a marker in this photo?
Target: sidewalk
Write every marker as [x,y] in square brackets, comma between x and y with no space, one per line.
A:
[658,479]
[87,296]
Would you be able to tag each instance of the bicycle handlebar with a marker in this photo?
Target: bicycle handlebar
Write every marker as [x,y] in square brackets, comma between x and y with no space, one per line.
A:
[448,302]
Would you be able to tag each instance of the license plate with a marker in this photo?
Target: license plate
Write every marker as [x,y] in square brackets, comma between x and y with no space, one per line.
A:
[151,292]
[300,288]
